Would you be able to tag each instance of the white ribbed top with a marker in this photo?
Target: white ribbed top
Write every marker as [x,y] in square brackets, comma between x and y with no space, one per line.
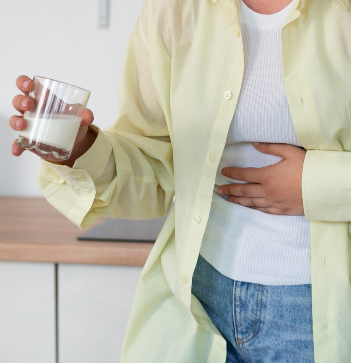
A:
[242,243]
[264,21]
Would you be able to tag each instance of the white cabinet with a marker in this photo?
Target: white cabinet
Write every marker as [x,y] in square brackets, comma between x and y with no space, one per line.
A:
[27,312]
[94,303]
[64,313]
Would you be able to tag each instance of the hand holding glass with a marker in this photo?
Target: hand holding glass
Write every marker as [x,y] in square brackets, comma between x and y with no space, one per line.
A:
[54,119]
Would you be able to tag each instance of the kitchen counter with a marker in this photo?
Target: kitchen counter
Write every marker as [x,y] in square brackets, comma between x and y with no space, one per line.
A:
[32,230]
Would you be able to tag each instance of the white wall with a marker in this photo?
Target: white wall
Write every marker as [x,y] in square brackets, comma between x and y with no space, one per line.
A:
[60,40]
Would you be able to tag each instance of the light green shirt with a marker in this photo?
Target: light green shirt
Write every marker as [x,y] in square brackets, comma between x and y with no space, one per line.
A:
[179,87]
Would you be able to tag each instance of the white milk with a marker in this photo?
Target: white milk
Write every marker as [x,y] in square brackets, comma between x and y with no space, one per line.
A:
[56,130]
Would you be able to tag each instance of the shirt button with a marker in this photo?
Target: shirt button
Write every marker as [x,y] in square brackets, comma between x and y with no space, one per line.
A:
[304,11]
[82,179]
[184,280]
[210,158]
[77,173]
[227,95]
[196,219]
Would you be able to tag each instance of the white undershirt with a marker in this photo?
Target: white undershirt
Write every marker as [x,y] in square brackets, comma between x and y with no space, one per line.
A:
[242,243]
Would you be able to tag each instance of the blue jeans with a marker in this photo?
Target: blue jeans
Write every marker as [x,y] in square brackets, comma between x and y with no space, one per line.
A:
[261,323]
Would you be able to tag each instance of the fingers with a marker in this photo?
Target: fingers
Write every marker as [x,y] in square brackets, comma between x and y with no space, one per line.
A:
[16,149]
[250,202]
[278,149]
[25,84]
[88,117]
[251,175]
[242,190]
[22,103]
[17,123]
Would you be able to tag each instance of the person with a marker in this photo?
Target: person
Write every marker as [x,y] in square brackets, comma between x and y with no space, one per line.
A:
[252,263]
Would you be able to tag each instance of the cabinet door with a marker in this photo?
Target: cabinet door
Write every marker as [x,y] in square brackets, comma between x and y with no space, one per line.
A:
[27,312]
[94,306]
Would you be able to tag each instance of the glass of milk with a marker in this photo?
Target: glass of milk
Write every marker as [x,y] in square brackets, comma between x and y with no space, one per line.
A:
[54,120]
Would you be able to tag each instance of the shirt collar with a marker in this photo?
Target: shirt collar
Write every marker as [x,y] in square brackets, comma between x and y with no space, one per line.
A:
[263,21]
[344,3]
[232,10]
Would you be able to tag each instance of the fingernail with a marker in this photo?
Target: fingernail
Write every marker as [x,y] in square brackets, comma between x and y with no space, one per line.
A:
[220,191]
[24,103]
[255,143]
[25,84]
[18,123]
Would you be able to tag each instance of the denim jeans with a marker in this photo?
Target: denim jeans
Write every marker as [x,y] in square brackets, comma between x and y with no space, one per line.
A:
[261,323]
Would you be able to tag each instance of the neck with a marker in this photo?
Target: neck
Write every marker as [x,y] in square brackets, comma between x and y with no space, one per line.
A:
[267,6]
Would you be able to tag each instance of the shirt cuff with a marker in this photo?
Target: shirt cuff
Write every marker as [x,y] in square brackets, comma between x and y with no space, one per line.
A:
[93,161]
[326,185]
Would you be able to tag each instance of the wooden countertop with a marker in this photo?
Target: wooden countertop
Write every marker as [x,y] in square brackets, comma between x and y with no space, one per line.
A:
[31,229]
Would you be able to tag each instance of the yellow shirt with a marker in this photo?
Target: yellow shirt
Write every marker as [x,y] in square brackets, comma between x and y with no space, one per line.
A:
[179,87]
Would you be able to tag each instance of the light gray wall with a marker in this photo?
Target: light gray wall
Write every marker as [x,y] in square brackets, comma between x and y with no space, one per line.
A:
[60,40]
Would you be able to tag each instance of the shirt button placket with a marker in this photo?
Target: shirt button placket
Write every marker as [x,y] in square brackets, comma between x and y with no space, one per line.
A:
[184,280]
[210,158]
[290,36]
[196,220]
[227,95]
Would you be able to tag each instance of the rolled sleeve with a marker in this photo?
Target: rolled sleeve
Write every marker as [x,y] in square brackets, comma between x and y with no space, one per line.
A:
[326,185]
[93,161]
[128,171]
[78,185]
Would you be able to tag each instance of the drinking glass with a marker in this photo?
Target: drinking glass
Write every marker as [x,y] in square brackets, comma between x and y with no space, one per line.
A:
[54,119]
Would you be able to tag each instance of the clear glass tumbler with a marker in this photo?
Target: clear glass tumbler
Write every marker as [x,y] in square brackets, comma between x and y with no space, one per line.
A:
[54,119]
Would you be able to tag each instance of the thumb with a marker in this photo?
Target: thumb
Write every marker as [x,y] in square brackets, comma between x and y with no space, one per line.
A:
[272,148]
[88,117]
